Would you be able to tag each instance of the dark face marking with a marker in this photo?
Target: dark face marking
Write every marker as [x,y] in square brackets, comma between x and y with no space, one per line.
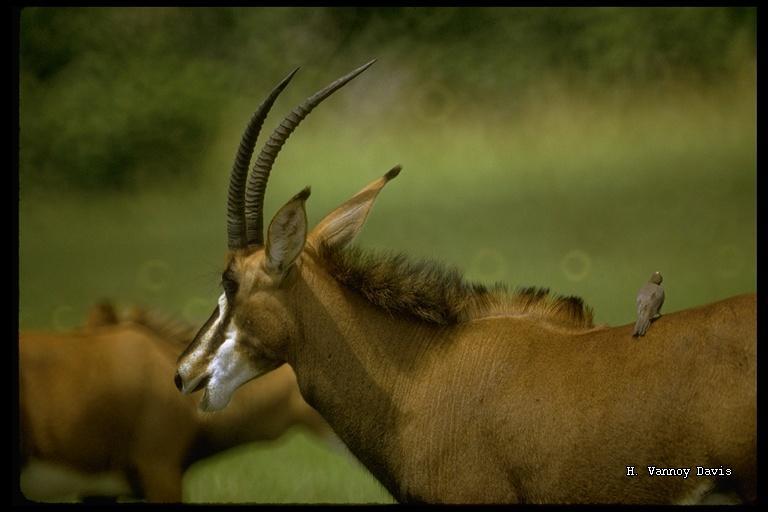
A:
[229,283]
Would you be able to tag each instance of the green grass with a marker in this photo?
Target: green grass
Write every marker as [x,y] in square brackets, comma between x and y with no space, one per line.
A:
[294,469]
[587,196]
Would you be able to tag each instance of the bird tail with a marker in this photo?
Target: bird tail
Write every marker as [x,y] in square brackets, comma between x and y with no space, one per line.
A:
[641,326]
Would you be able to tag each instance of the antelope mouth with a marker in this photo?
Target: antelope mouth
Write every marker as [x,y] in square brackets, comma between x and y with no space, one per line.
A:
[200,385]
[196,385]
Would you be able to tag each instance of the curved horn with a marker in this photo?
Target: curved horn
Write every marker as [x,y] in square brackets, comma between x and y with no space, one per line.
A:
[257,182]
[236,196]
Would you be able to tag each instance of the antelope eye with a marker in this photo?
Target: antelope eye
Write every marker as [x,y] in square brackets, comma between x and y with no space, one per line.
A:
[230,287]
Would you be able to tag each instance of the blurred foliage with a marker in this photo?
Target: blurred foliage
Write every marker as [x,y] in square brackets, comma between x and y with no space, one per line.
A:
[112,94]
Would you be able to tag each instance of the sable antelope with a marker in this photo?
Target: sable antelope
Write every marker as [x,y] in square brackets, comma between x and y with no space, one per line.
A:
[101,399]
[452,392]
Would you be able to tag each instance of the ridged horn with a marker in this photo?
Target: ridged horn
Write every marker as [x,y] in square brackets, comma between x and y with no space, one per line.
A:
[257,182]
[236,196]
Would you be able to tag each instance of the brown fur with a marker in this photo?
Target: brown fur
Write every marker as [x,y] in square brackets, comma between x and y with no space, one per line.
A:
[508,409]
[450,392]
[165,326]
[511,408]
[102,313]
[432,292]
[102,399]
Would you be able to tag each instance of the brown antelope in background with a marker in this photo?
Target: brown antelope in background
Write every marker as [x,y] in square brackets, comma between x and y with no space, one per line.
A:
[452,392]
[102,399]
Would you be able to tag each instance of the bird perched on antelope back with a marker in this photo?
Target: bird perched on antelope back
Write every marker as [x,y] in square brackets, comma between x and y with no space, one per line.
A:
[649,301]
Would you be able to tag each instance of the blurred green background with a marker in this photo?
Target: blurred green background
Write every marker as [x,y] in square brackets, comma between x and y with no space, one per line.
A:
[574,148]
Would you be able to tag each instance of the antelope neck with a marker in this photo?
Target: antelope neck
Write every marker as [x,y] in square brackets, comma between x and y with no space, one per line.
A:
[357,366]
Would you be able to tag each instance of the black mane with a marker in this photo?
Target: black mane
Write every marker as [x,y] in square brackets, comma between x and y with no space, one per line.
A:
[433,292]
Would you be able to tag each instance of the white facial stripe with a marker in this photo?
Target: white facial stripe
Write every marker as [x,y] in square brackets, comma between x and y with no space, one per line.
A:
[223,307]
[224,360]
[228,370]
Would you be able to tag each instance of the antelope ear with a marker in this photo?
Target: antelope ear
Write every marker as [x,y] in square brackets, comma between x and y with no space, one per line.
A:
[287,234]
[342,225]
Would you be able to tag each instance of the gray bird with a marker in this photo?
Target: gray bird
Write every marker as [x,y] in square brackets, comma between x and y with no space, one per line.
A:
[649,301]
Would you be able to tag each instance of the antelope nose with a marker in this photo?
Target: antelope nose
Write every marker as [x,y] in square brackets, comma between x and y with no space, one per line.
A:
[177,381]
